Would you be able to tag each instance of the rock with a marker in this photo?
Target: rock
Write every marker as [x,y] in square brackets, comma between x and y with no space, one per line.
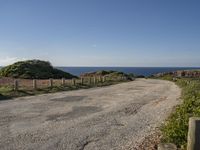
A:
[167,146]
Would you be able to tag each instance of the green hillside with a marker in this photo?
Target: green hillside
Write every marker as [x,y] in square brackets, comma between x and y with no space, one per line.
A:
[33,69]
[109,74]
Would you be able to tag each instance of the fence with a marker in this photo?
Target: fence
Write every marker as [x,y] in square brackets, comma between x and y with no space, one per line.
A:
[30,84]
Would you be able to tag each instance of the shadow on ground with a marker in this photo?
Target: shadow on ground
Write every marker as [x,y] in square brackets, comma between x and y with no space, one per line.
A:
[2,97]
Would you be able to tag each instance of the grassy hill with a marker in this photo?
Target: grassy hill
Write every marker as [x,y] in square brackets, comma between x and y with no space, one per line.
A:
[109,74]
[33,69]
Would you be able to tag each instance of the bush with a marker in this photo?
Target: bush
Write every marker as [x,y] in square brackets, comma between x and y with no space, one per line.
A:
[109,74]
[33,69]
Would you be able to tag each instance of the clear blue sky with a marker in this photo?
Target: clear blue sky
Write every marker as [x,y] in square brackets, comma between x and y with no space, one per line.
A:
[101,32]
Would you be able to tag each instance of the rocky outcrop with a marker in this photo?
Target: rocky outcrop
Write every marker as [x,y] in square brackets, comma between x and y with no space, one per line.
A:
[181,73]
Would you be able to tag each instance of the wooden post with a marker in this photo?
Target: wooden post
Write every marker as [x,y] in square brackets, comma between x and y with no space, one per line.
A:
[100,79]
[34,84]
[50,82]
[122,77]
[95,80]
[167,146]
[82,81]
[104,79]
[63,81]
[16,85]
[194,134]
[90,80]
[73,81]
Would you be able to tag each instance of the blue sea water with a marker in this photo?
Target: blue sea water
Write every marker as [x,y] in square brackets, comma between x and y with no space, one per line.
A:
[146,71]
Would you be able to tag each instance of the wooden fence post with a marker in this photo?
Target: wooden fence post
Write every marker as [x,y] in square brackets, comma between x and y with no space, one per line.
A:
[95,80]
[100,80]
[50,82]
[90,80]
[73,81]
[123,78]
[34,84]
[104,79]
[63,81]
[82,81]
[16,85]
[194,134]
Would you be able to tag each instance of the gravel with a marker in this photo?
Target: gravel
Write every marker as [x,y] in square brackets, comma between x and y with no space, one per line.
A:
[116,117]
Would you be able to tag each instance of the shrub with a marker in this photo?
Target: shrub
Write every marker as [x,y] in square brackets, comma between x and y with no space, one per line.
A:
[33,69]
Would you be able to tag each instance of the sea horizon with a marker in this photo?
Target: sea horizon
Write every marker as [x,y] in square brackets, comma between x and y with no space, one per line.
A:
[145,71]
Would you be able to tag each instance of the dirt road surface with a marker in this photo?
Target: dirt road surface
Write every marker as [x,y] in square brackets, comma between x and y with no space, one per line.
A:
[116,117]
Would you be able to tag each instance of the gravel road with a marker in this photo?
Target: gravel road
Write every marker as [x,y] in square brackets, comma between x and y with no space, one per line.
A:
[116,117]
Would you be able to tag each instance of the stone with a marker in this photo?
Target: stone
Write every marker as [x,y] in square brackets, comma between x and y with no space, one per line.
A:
[167,146]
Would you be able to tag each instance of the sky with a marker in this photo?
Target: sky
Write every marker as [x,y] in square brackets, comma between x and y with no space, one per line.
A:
[132,33]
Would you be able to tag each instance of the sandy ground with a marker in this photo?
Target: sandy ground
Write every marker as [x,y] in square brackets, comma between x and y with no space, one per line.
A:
[110,118]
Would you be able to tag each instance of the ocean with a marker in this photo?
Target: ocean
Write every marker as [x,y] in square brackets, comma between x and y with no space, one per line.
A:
[146,71]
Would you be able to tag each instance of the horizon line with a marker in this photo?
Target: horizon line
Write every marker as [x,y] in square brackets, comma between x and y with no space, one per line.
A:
[131,66]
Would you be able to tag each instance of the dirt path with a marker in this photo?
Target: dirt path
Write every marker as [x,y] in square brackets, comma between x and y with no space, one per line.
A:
[114,117]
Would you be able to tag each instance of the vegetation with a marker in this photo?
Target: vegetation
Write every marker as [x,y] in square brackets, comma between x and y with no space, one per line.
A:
[7,92]
[109,74]
[36,69]
[33,69]
[176,128]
